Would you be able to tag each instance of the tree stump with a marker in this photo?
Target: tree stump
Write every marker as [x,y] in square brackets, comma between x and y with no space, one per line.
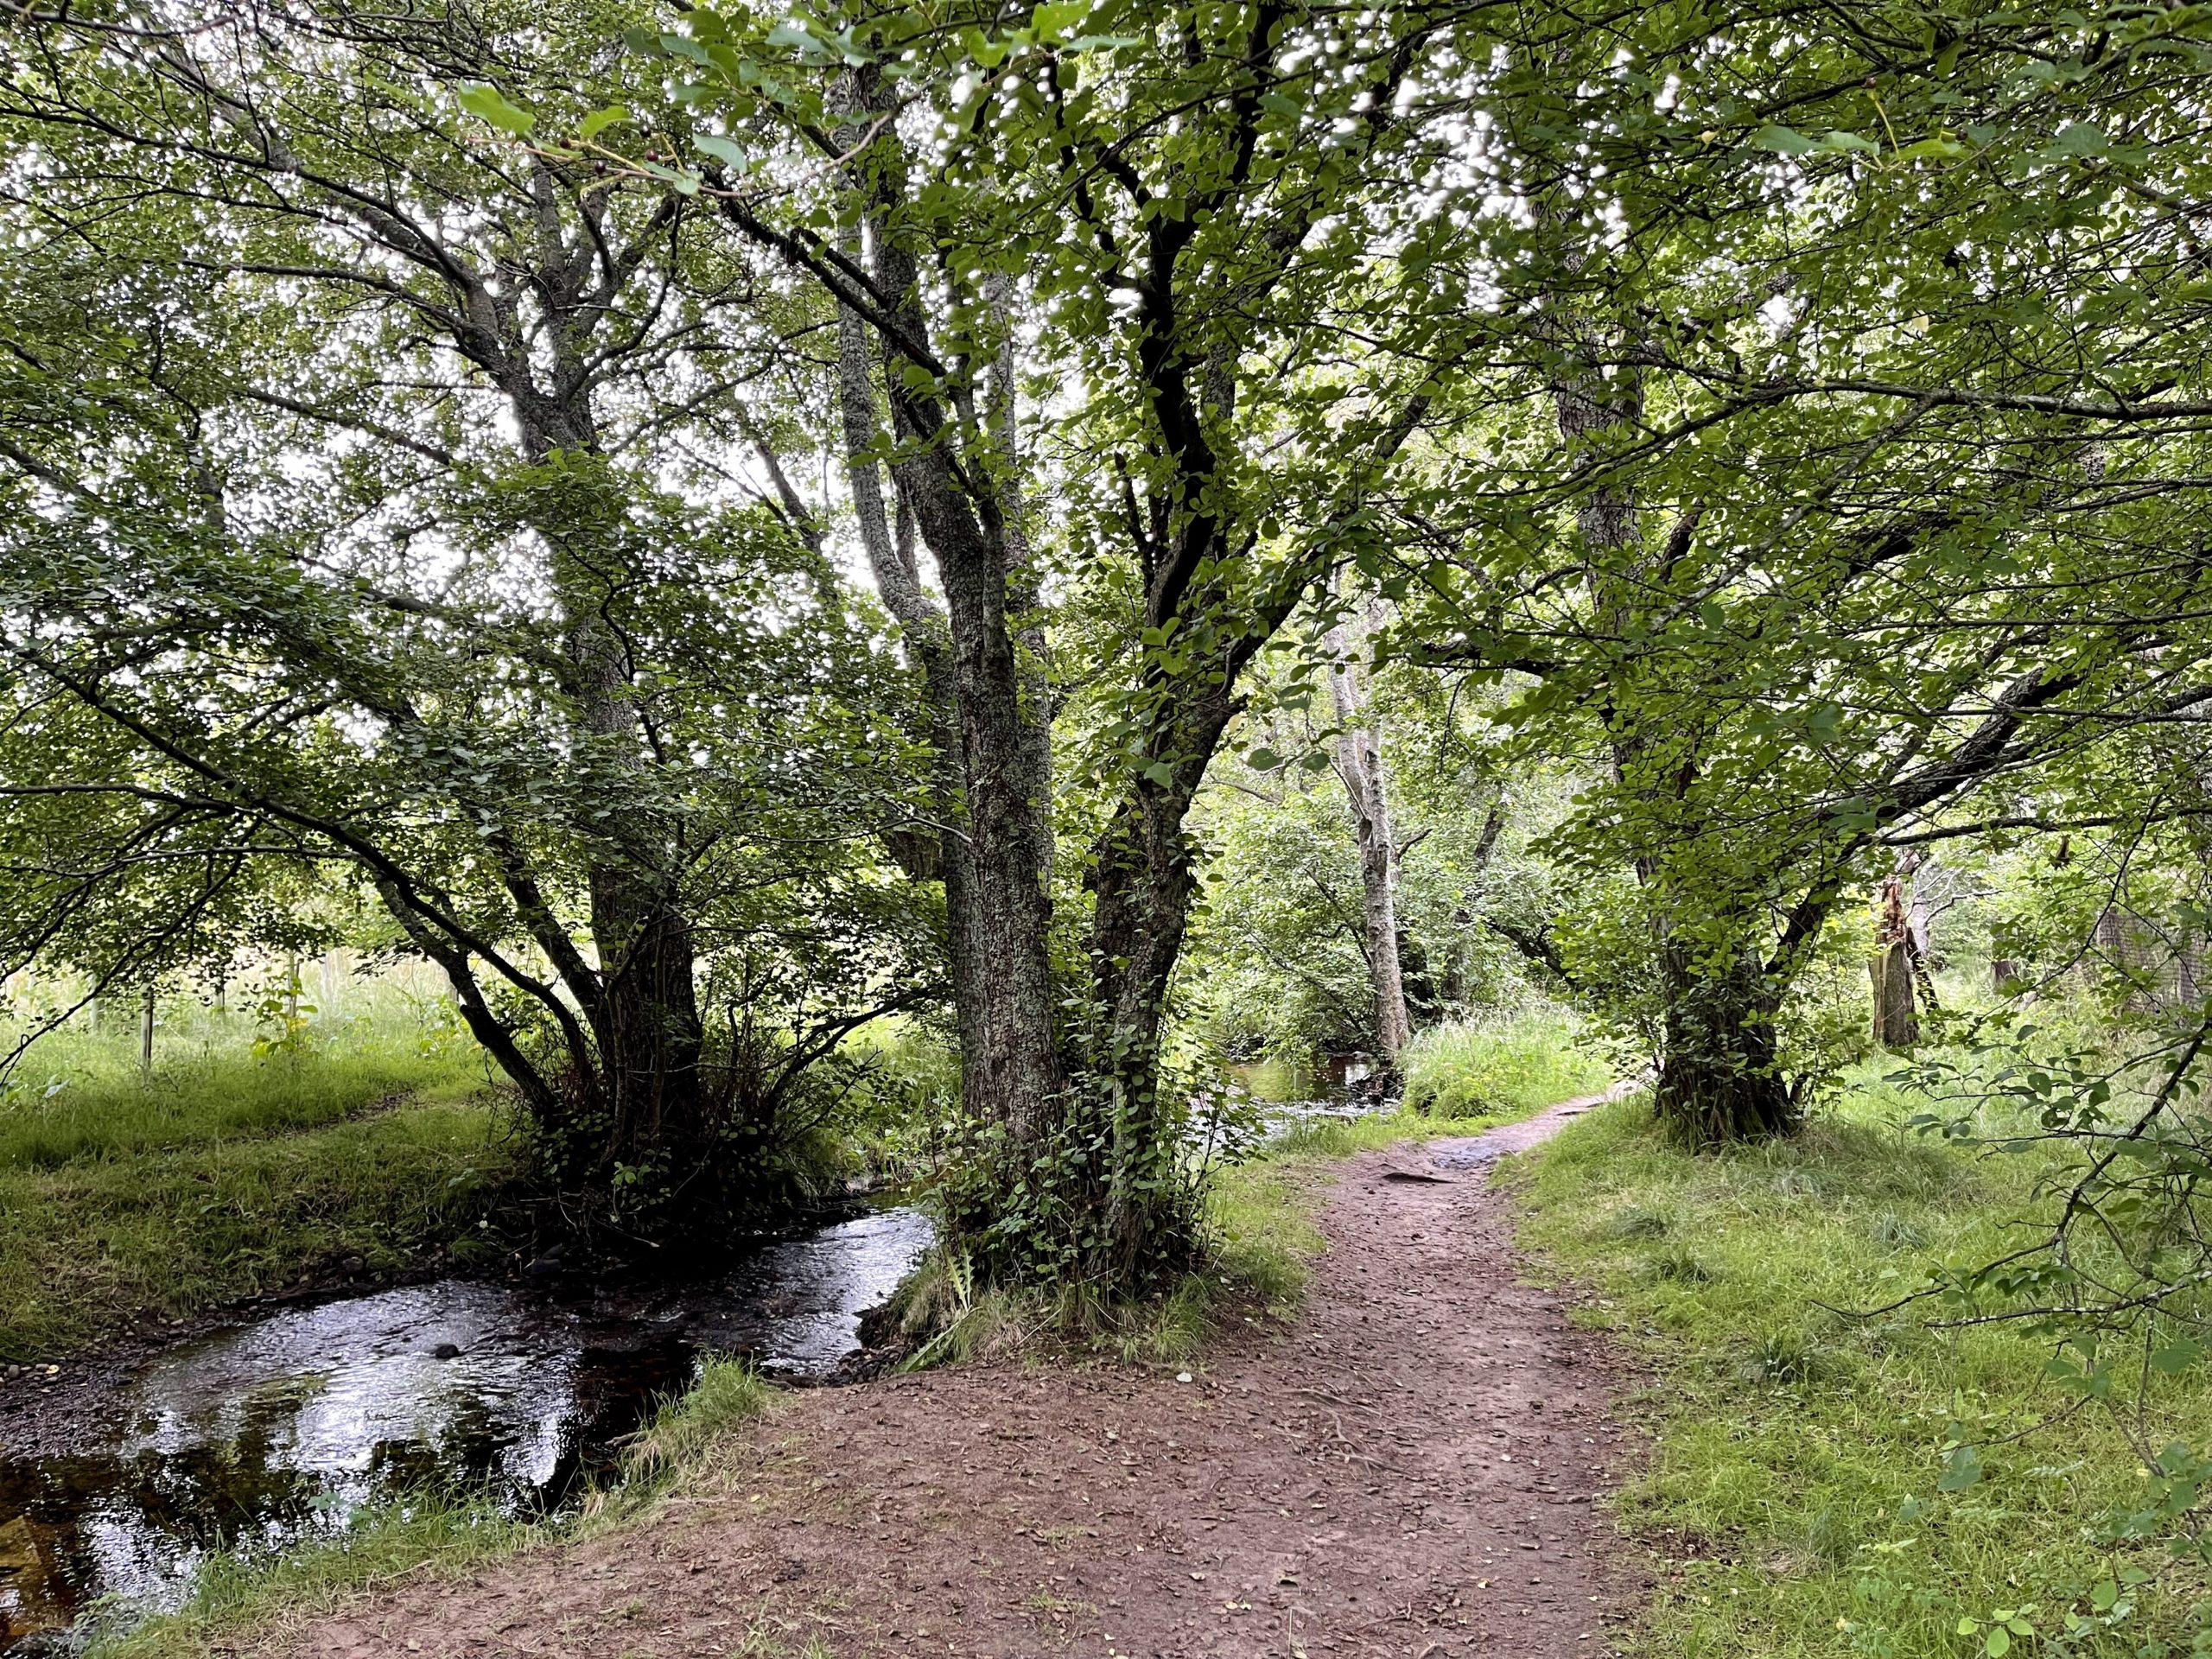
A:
[1897,1025]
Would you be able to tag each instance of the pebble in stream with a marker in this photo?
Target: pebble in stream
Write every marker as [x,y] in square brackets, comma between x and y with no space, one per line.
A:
[272,1434]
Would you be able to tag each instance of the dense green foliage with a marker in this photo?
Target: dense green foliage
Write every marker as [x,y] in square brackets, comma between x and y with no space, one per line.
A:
[931,577]
[1499,1069]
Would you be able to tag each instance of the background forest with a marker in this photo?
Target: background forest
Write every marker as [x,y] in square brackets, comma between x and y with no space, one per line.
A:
[611,619]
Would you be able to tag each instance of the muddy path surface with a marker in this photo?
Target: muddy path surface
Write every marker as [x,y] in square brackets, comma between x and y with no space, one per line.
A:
[1410,1471]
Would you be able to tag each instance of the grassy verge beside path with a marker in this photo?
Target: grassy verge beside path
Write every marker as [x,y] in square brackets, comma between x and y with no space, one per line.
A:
[1792,1490]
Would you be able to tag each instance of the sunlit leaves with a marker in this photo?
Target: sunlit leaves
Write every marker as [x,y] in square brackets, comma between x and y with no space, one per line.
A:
[489,104]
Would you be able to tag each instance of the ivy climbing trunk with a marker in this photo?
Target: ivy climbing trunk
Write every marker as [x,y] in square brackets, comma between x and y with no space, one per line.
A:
[1720,1081]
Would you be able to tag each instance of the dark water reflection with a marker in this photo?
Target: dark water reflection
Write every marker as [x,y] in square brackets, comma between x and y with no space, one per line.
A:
[273,1433]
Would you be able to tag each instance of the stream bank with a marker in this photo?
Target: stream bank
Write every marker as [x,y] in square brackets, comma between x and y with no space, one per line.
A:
[274,1432]
[1413,1465]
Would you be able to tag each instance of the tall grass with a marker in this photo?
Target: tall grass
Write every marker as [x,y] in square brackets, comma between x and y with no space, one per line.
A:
[1496,1068]
[223,1173]
[1792,1488]
[79,1095]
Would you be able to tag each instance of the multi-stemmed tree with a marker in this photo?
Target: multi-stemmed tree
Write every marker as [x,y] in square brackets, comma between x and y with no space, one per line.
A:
[1838,460]
[1172,216]
[346,455]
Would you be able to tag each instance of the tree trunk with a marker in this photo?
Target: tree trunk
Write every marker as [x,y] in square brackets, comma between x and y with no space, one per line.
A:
[1896,1024]
[1004,742]
[641,1112]
[1891,969]
[644,1011]
[927,636]
[1359,764]
[1144,881]
[1719,1074]
[1719,1081]
[146,1033]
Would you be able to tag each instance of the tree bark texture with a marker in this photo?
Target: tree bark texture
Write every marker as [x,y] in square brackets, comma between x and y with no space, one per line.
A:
[958,495]
[1720,1079]
[1896,1025]
[1360,765]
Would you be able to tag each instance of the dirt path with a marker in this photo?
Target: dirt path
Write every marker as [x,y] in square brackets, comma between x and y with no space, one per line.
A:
[1409,1473]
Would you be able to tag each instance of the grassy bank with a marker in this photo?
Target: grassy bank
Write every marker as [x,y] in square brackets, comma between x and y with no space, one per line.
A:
[1792,1486]
[127,1196]
[444,1535]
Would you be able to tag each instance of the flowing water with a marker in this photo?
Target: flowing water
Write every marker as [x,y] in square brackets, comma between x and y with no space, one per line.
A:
[273,1433]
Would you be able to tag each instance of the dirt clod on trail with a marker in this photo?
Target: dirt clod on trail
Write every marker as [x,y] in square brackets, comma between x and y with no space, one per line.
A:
[1409,1471]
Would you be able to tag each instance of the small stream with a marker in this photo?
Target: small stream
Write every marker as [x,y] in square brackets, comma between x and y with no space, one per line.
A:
[274,1432]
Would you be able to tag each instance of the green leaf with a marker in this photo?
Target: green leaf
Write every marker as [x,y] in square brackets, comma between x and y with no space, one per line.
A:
[2077,138]
[598,120]
[725,150]
[1158,773]
[2177,1356]
[1785,141]
[1960,1470]
[1056,16]
[682,180]
[1998,1642]
[793,35]
[1263,760]
[488,103]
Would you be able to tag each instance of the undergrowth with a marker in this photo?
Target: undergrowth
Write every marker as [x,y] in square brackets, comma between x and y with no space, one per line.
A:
[1795,1490]
[1482,1068]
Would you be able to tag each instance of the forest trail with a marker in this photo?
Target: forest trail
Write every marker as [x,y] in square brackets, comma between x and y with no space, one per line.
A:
[1409,1471]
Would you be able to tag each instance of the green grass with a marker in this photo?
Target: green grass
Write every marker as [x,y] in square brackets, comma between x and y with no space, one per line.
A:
[221,1175]
[683,1438]
[1792,1486]
[433,1532]
[1493,1068]
[443,1534]
[81,1096]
